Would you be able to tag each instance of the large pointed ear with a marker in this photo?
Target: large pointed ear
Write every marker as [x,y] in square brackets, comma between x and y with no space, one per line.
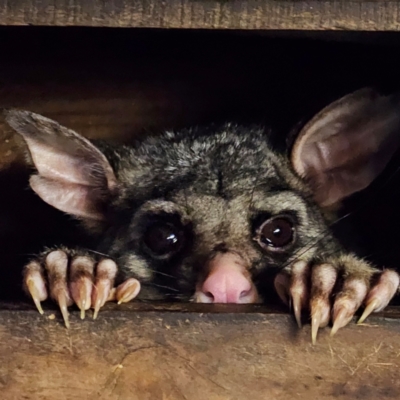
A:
[72,174]
[347,145]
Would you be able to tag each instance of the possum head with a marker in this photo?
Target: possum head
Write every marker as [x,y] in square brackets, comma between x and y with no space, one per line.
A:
[202,214]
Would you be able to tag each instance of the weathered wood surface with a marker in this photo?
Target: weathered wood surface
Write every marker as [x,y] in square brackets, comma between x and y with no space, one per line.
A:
[209,14]
[133,353]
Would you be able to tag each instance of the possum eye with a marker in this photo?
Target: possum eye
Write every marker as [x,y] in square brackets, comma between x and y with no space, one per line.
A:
[163,239]
[275,233]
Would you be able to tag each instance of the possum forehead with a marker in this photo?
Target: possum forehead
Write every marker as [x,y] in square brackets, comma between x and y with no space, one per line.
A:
[214,213]
[235,176]
[233,216]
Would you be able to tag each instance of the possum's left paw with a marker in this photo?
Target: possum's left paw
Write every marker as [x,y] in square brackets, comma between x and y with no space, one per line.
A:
[334,290]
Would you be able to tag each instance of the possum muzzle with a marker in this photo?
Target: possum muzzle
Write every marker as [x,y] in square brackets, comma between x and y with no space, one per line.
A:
[228,281]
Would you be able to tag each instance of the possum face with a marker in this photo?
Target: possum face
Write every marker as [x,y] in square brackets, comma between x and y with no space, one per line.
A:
[223,217]
[204,214]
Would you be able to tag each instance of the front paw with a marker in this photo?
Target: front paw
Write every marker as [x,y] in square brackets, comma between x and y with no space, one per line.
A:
[334,290]
[76,277]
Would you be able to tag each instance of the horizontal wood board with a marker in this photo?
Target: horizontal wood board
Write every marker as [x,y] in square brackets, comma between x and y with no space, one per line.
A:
[135,353]
[206,14]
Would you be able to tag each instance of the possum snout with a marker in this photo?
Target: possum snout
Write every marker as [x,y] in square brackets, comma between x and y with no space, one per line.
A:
[227,281]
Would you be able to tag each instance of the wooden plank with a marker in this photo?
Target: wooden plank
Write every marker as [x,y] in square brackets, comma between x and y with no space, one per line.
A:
[131,353]
[206,14]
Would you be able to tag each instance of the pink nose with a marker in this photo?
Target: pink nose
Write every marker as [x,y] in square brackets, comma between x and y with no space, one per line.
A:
[226,282]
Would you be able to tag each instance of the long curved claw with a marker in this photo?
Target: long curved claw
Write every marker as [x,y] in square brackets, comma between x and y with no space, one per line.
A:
[105,276]
[127,290]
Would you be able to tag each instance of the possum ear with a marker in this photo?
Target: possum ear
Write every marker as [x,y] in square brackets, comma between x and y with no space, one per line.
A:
[72,174]
[347,145]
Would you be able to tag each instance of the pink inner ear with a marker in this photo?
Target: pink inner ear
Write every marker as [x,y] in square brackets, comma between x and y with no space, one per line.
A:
[334,187]
[341,164]
[347,145]
[71,198]
[61,166]
[73,174]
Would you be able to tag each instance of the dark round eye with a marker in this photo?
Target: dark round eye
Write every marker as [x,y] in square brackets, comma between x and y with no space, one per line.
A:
[163,239]
[275,233]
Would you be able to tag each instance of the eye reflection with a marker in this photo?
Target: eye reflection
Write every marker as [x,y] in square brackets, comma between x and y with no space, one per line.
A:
[275,233]
[163,238]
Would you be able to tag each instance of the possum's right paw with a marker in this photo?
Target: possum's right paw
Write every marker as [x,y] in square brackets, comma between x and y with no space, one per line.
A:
[334,289]
[75,277]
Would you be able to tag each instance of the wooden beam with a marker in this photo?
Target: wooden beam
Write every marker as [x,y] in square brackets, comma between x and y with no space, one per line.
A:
[206,14]
[171,353]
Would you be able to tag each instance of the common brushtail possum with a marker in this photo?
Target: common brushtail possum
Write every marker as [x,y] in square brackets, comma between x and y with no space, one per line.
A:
[204,214]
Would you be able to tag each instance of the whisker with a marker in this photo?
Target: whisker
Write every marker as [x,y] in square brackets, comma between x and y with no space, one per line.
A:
[327,231]
[390,177]
[161,273]
[308,246]
[150,269]
[98,252]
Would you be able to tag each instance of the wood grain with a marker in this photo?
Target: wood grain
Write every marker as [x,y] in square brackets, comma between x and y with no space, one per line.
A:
[206,14]
[140,354]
